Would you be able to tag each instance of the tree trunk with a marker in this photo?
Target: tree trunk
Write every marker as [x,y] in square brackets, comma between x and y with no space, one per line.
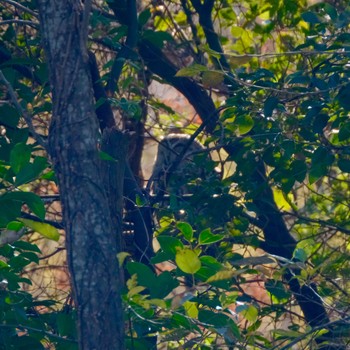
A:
[91,239]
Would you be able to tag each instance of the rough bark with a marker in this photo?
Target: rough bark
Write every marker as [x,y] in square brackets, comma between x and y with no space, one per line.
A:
[139,217]
[90,236]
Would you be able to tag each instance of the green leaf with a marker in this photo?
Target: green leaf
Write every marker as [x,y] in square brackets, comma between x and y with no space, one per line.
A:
[245,123]
[222,276]
[344,131]
[43,228]
[32,257]
[212,79]
[179,321]
[169,244]
[251,313]
[106,156]
[20,156]
[26,342]
[300,254]
[23,245]
[269,105]
[343,97]
[321,159]
[31,171]
[163,284]
[14,226]
[276,289]
[331,11]
[10,210]
[191,71]
[344,165]
[253,260]
[144,16]
[298,170]
[213,318]
[286,334]
[145,276]
[157,38]
[66,325]
[211,262]
[207,237]
[9,116]
[186,230]
[161,257]
[33,201]
[310,17]
[191,309]
[187,260]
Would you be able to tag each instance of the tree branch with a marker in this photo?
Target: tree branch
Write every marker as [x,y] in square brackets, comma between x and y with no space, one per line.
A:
[20,21]
[38,138]
[21,7]
[127,50]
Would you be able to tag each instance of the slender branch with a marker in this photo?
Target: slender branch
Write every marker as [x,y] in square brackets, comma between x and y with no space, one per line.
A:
[56,251]
[20,21]
[21,7]
[204,12]
[85,24]
[286,91]
[194,30]
[319,222]
[39,139]
[287,53]
[127,49]
[313,330]
[40,331]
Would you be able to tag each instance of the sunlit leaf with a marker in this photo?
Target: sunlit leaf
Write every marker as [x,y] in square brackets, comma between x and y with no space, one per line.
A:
[222,275]
[191,309]
[207,237]
[212,79]
[186,230]
[192,71]
[251,313]
[187,260]
[169,244]
[277,290]
[245,123]
[43,228]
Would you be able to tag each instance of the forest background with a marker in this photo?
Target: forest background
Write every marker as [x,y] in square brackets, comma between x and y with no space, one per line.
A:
[252,228]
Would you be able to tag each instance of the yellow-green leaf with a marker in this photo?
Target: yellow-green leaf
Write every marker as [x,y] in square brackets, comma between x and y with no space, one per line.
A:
[251,313]
[191,71]
[187,260]
[212,79]
[43,228]
[222,275]
[121,257]
[191,309]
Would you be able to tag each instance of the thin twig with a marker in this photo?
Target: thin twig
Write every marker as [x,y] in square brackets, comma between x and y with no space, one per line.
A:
[20,21]
[287,53]
[321,222]
[313,330]
[85,25]
[22,111]
[20,6]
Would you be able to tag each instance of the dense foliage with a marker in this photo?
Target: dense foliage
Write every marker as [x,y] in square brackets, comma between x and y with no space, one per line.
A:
[254,258]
